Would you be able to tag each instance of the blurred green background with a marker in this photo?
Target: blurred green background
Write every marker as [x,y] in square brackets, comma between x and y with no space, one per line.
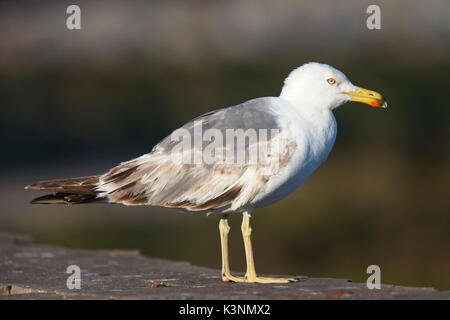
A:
[75,103]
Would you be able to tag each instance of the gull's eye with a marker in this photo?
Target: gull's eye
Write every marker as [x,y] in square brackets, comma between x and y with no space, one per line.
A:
[331,81]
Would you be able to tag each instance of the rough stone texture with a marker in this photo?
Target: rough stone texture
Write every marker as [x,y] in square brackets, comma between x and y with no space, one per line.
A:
[33,271]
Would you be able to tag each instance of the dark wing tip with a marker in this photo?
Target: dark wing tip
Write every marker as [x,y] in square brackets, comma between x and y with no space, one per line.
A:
[47,199]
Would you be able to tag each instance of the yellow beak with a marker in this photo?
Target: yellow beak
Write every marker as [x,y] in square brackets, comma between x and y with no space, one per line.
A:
[367,96]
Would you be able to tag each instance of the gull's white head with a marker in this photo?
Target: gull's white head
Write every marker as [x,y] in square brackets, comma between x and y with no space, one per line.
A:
[321,86]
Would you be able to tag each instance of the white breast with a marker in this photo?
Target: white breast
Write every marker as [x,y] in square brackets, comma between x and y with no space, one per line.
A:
[314,135]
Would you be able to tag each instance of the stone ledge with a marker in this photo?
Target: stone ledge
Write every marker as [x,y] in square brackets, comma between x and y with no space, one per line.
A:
[33,271]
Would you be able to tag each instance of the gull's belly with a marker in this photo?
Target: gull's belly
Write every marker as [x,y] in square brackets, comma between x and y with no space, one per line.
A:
[289,179]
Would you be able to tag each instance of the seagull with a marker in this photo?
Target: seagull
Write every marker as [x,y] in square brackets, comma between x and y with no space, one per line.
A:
[303,131]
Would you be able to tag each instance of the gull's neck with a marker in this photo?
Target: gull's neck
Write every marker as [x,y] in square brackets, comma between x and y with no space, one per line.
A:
[315,114]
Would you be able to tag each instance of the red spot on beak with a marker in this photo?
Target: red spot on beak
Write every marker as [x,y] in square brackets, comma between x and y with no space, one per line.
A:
[375,103]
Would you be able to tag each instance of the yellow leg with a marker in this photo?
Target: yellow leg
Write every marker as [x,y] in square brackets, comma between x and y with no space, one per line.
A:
[224,229]
[250,276]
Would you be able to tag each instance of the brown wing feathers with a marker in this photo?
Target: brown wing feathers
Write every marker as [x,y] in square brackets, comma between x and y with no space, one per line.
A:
[67,191]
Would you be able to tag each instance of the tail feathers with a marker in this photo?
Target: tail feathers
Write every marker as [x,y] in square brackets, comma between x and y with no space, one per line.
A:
[67,191]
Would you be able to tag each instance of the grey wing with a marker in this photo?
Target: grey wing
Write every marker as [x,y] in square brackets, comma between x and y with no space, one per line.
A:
[155,179]
[254,114]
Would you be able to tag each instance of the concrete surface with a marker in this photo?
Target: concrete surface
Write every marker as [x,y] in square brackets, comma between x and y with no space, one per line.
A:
[33,271]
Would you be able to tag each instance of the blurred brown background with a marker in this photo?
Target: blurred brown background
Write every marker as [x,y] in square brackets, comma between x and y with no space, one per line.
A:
[76,103]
